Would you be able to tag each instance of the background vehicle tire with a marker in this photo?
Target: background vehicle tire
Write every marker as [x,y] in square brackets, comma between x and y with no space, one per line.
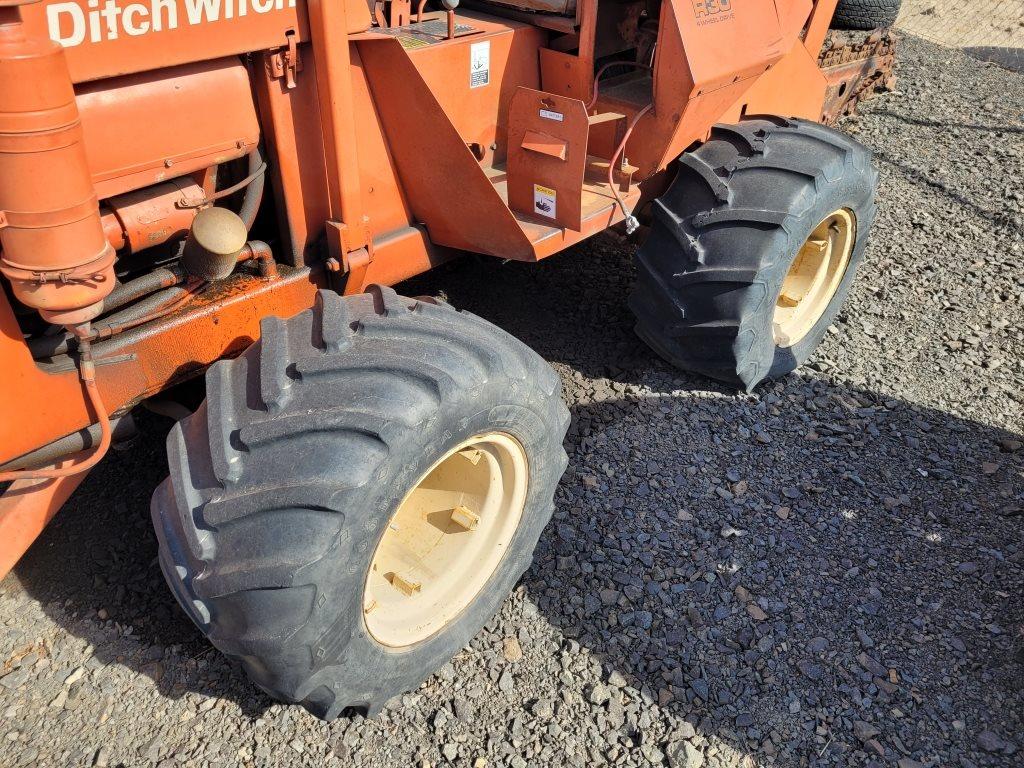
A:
[732,229]
[284,481]
[865,14]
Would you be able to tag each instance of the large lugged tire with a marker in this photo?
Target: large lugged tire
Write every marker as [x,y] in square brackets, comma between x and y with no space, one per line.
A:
[733,228]
[865,14]
[285,480]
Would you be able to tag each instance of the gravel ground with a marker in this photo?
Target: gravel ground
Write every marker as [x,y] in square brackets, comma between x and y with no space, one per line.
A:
[826,573]
[987,22]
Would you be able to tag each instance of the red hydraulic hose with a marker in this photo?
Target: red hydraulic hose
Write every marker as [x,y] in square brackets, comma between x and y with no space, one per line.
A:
[631,226]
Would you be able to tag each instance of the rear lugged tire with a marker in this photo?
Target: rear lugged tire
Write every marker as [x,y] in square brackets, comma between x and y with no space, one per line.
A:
[865,14]
[282,484]
[725,235]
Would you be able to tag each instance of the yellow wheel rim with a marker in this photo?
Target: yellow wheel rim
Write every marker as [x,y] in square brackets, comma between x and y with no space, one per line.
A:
[814,277]
[447,538]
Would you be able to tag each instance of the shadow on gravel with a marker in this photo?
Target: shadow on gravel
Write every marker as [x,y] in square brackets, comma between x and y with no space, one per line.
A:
[772,569]
[1000,218]
[949,123]
[768,567]
[100,555]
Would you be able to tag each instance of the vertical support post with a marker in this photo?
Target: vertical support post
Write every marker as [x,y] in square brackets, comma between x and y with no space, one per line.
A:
[328,27]
[817,25]
[587,10]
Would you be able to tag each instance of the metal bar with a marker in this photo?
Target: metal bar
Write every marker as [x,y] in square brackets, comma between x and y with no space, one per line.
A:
[337,117]
[818,24]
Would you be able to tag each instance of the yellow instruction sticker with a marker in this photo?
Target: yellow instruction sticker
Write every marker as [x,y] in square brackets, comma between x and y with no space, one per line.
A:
[544,200]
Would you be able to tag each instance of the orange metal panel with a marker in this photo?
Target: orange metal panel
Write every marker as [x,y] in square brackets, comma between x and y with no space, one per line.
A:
[599,213]
[568,74]
[39,407]
[397,256]
[478,114]
[562,73]
[795,87]
[338,123]
[25,509]
[447,189]
[153,34]
[291,125]
[817,26]
[194,116]
[386,206]
[543,144]
[708,55]
[548,184]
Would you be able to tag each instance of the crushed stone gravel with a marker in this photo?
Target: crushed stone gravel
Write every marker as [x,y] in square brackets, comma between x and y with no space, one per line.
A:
[828,572]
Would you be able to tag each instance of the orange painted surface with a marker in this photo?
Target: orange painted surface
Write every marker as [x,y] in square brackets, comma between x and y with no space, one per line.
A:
[291,126]
[194,116]
[52,246]
[25,509]
[447,187]
[39,407]
[548,153]
[162,33]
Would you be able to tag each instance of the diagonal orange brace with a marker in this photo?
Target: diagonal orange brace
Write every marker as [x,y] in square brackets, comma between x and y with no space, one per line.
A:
[25,509]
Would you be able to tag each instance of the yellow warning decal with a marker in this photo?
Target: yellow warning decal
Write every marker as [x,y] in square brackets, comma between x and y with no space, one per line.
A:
[544,201]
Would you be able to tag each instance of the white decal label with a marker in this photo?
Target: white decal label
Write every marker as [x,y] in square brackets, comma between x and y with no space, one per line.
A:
[544,201]
[480,64]
[548,114]
[70,23]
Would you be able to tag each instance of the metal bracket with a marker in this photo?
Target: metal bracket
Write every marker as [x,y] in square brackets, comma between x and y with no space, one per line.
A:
[69,364]
[286,63]
[352,247]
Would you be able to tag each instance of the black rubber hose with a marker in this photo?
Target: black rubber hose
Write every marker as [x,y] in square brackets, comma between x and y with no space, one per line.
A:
[123,429]
[50,346]
[254,192]
[144,307]
[126,293]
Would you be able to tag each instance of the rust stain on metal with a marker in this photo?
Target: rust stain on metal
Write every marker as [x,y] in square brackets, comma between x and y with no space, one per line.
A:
[857,68]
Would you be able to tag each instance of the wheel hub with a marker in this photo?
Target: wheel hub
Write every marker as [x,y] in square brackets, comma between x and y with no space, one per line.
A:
[447,538]
[814,277]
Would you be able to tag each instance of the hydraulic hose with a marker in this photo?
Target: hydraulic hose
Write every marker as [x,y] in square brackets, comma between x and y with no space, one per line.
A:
[631,223]
[253,192]
[150,308]
[605,68]
[253,184]
[166,296]
[87,374]
[126,293]
[122,428]
[48,346]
